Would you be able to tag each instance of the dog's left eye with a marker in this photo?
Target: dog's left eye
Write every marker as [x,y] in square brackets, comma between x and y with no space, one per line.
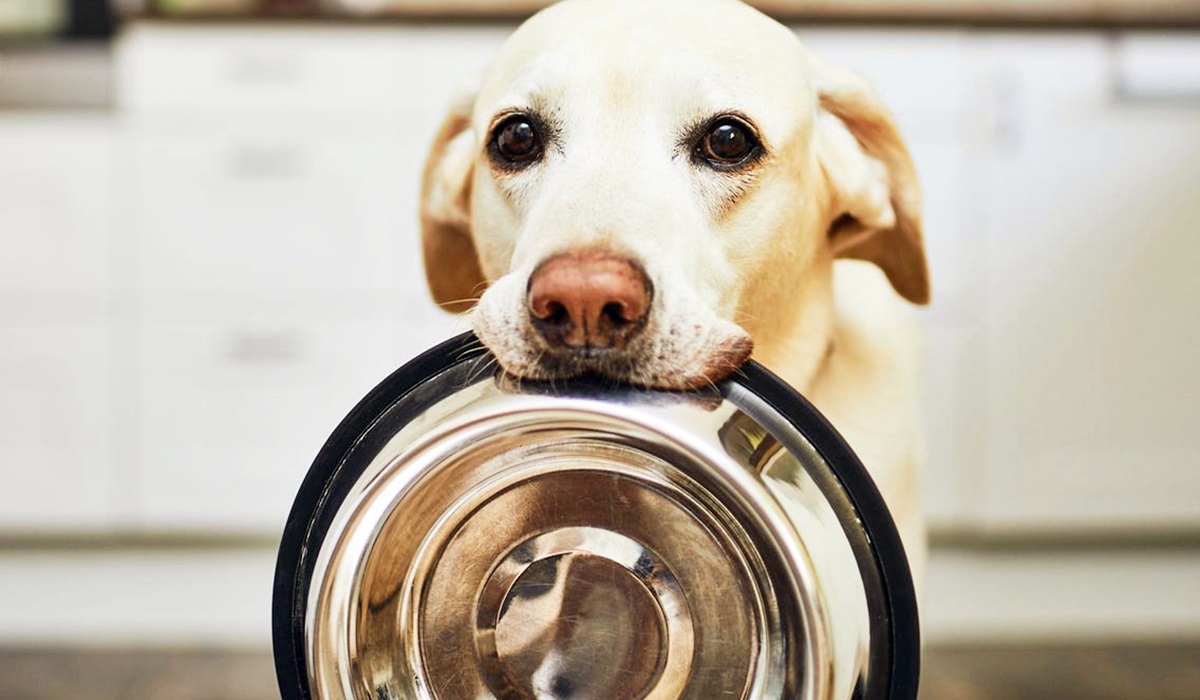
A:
[728,143]
[517,141]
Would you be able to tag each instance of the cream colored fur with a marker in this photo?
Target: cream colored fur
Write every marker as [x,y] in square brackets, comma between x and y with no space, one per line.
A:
[809,252]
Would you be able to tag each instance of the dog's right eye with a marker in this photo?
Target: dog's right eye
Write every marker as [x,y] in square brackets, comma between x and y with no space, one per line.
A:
[727,143]
[516,140]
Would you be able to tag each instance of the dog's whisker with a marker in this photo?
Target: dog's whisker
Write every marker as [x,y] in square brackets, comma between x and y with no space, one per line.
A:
[463,300]
[742,316]
[488,366]
[470,348]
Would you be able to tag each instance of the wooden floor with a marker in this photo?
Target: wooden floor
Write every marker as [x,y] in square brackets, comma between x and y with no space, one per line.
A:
[1062,673]
[980,673]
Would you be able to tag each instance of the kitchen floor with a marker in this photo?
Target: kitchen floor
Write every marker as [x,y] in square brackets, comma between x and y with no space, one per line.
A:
[970,673]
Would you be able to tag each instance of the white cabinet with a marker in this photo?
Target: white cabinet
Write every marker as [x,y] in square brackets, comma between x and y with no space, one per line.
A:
[191,301]
[1091,334]
[276,248]
[237,404]
[341,74]
[253,210]
[1061,175]
[55,180]
[57,404]
[56,474]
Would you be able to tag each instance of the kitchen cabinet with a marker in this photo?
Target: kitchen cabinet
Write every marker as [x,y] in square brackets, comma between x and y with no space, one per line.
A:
[57,407]
[55,180]
[255,211]
[56,470]
[340,74]
[243,243]
[238,402]
[193,292]
[1090,338]
[1060,176]
[276,248]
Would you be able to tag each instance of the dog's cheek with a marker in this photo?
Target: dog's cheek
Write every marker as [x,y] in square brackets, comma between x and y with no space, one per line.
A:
[765,228]
[495,225]
[685,353]
[500,324]
[710,262]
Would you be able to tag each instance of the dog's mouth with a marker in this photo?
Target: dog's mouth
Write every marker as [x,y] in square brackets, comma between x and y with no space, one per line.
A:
[651,370]
[670,359]
[612,363]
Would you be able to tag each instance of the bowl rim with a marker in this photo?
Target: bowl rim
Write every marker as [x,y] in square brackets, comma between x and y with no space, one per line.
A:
[325,485]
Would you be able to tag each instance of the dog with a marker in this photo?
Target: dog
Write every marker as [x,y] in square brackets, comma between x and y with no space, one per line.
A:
[655,192]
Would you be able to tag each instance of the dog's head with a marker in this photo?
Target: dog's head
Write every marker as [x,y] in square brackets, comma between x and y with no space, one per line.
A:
[638,189]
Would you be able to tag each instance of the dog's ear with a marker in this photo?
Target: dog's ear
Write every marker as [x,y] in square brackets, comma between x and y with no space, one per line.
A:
[877,200]
[452,266]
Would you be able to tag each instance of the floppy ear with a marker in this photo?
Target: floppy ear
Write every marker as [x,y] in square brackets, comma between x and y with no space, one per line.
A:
[877,201]
[451,261]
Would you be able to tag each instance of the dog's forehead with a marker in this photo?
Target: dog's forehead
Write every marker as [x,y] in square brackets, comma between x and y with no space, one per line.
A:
[685,54]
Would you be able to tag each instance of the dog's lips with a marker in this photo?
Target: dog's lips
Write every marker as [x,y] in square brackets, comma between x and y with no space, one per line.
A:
[641,364]
[614,363]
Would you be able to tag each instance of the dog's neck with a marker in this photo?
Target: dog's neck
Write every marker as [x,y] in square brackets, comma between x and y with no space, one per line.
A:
[793,334]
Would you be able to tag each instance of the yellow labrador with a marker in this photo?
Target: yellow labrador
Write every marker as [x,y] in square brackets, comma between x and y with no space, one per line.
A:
[652,191]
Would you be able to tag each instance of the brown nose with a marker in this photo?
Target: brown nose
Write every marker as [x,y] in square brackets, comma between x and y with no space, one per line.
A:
[589,300]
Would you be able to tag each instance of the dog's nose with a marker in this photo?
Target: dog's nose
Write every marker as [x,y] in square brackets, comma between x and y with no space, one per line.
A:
[589,300]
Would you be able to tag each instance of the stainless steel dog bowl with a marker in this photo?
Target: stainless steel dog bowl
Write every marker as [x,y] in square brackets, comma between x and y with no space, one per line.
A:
[465,536]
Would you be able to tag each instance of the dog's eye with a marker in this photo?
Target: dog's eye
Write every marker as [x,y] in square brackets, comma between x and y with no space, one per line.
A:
[516,140]
[728,143]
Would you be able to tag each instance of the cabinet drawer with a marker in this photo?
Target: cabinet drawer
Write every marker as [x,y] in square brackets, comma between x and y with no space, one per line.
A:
[1090,339]
[232,414]
[277,69]
[255,212]
[180,78]
[55,467]
[54,180]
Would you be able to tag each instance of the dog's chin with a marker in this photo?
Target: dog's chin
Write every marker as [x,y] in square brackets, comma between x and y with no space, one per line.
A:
[668,361]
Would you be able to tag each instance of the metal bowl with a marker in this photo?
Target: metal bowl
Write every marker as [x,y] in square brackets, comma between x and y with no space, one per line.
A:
[462,535]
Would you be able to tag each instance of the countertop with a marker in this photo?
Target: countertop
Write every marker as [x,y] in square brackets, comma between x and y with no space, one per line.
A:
[1056,12]
[65,75]
[1088,13]
[77,74]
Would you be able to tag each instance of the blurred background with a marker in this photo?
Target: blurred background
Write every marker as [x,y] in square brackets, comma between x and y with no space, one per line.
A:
[209,252]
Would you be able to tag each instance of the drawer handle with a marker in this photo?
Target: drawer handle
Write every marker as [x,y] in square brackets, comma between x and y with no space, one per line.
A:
[1161,70]
[259,69]
[266,347]
[260,162]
